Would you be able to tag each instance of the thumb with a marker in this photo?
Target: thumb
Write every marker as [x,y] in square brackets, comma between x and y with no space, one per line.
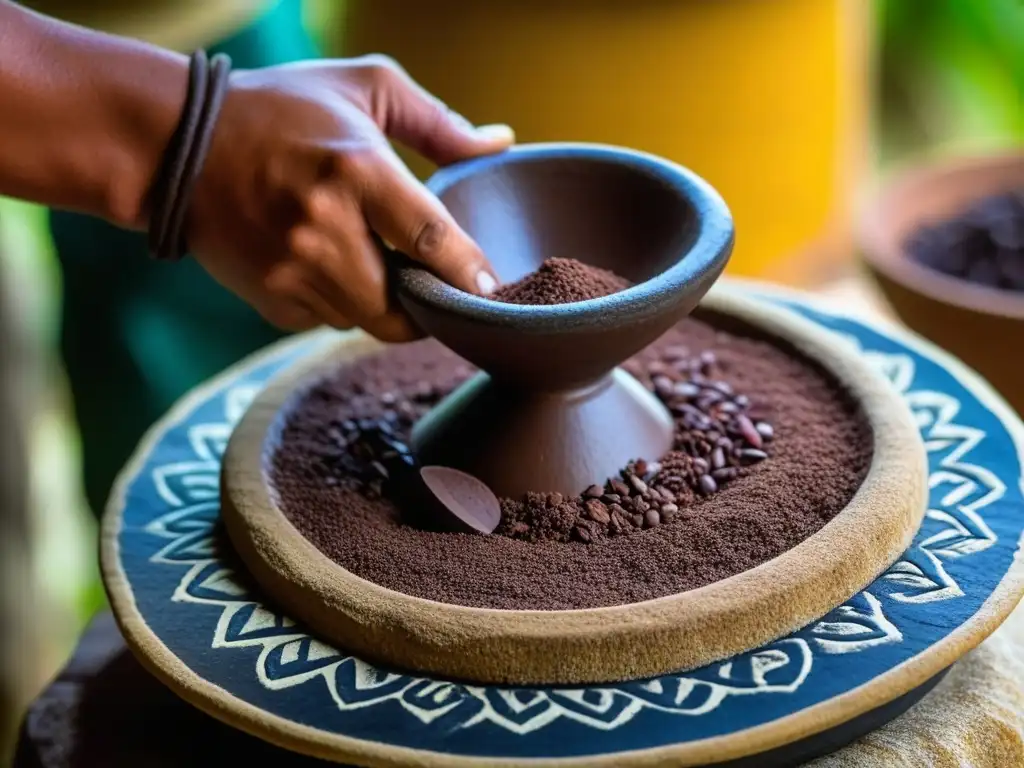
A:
[409,114]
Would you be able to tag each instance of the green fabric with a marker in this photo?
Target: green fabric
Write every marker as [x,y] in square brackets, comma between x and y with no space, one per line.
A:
[137,334]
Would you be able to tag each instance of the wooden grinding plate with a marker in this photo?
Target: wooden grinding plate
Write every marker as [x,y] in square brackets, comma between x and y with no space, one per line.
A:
[625,642]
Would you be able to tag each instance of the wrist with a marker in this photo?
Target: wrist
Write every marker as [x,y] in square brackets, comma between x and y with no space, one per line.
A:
[146,105]
[183,159]
[86,115]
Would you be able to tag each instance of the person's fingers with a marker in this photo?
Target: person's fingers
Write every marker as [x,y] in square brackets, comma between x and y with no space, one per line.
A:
[337,272]
[347,270]
[288,315]
[323,309]
[405,214]
[409,114]
[393,328]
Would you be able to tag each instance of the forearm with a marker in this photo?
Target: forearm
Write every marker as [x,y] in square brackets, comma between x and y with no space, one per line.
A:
[84,117]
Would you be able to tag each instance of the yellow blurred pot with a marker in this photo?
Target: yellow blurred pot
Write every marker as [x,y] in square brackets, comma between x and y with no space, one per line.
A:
[764,98]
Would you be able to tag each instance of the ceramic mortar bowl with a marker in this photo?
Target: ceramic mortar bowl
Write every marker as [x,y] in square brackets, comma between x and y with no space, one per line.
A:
[980,325]
[551,410]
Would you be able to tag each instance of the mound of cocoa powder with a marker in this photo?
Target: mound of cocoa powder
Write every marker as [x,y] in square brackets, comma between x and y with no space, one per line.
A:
[556,553]
[561,281]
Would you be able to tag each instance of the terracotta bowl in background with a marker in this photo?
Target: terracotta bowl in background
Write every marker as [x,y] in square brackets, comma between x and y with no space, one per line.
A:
[982,326]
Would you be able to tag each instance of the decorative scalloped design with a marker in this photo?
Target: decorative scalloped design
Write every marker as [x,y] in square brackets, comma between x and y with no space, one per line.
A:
[288,656]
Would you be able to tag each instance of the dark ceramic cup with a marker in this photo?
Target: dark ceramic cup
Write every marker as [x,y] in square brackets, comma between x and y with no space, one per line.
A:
[551,412]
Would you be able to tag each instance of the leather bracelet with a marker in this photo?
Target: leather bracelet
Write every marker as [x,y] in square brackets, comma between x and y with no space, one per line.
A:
[168,179]
[185,154]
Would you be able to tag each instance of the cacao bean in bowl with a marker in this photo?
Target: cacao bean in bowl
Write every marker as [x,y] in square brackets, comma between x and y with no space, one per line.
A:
[598,584]
[945,243]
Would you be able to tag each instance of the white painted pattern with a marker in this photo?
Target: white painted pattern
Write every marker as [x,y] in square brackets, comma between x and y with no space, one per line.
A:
[289,657]
[968,487]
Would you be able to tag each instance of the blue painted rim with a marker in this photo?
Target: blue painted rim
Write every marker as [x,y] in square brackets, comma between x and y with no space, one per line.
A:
[709,249]
[206,633]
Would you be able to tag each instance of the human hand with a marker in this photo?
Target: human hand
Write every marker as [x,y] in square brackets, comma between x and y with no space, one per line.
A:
[300,172]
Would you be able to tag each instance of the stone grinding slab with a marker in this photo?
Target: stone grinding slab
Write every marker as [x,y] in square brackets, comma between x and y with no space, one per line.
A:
[404,625]
[198,624]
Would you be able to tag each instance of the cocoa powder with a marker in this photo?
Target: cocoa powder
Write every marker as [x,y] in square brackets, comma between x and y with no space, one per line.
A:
[715,441]
[820,450]
[561,281]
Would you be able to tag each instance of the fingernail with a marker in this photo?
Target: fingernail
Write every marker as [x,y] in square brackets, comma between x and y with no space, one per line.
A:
[485,282]
[496,132]
[460,121]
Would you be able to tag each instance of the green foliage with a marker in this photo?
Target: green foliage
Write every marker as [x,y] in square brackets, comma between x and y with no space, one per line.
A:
[951,71]
[324,19]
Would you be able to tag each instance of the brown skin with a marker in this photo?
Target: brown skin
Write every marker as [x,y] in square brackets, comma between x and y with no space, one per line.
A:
[300,170]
